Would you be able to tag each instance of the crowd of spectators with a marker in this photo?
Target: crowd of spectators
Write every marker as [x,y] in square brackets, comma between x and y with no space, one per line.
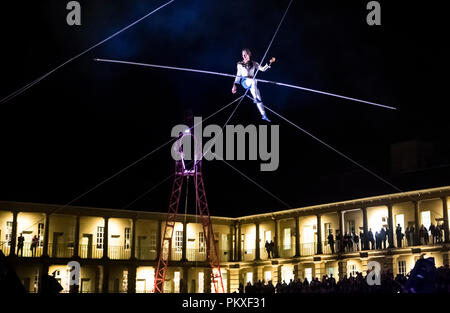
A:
[435,281]
[351,241]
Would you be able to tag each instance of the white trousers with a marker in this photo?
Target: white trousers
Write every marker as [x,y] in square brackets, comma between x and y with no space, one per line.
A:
[249,83]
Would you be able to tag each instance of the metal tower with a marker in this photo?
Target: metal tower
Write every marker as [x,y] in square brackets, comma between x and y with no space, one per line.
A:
[202,205]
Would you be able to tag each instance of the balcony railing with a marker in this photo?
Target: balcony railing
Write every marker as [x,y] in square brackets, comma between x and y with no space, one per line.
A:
[28,251]
[5,247]
[119,252]
[146,253]
[248,254]
[196,255]
[287,251]
[307,249]
[60,250]
[90,252]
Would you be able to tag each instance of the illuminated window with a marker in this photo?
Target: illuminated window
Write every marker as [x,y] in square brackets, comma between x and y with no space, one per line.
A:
[153,239]
[268,235]
[41,234]
[179,240]
[352,270]
[176,282]
[400,219]
[351,226]
[426,219]
[100,236]
[267,276]
[201,282]
[249,242]
[402,267]
[249,277]
[127,238]
[330,271]
[201,242]
[308,273]
[9,225]
[287,238]
[327,229]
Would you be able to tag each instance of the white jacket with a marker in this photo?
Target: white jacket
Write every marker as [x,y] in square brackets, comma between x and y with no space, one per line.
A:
[245,71]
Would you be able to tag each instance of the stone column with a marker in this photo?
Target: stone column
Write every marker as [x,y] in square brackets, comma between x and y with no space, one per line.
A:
[391,227]
[319,268]
[257,246]
[446,258]
[133,240]
[207,280]
[239,244]
[297,236]
[105,281]
[319,234]
[159,239]
[184,247]
[445,215]
[279,277]
[230,244]
[132,278]
[298,271]
[416,221]
[76,244]
[364,262]
[46,228]
[106,239]
[276,239]
[233,278]
[342,269]
[366,245]
[12,251]
[341,230]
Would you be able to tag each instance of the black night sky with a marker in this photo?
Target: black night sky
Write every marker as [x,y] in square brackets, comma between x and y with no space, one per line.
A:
[89,120]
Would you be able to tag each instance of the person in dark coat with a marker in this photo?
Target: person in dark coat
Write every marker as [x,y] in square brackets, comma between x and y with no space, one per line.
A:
[20,241]
[356,240]
[383,236]
[331,241]
[339,241]
[408,236]
[267,246]
[398,233]
[371,239]
[378,240]
[433,232]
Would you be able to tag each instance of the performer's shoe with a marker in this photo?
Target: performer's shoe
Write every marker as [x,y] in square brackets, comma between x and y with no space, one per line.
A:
[264,117]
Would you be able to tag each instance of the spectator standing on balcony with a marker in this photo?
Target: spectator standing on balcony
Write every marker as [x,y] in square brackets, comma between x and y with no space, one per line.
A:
[398,233]
[383,236]
[408,236]
[356,240]
[413,235]
[433,232]
[272,248]
[331,241]
[339,240]
[34,244]
[267,246]
[20,241]
[371,239]
[378,240]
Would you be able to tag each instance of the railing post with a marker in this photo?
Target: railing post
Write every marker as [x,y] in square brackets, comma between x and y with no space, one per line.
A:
[12,251]
[184,246]
[319,234]
[106,238]
[76,245]
[257,252]
[297,236]
[133,240]
[445,215]
[391,226]
[46,230]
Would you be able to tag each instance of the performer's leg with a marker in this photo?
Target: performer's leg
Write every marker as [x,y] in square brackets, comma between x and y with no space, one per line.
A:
[257,98]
